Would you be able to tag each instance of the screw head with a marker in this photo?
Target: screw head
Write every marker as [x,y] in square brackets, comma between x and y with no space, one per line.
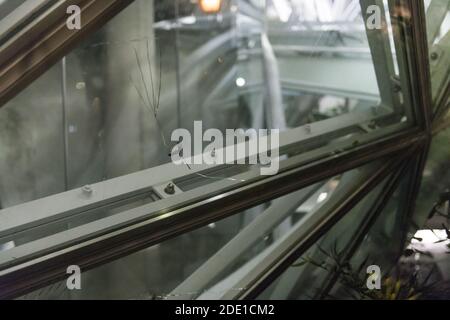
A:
[170,189]
[87,189]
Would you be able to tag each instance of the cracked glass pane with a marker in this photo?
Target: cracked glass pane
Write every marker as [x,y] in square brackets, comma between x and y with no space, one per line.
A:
[94,139]
[157,67]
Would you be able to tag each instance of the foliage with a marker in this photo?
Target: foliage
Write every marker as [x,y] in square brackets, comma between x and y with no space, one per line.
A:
[396,285]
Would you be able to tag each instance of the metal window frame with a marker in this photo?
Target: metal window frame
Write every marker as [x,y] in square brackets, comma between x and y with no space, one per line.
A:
[202,283]
[173,220]
[273,264]
[165,219]
[21,63]
[70,203]
[20,16]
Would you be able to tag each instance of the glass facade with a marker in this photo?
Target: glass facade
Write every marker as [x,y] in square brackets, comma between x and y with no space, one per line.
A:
[88,177]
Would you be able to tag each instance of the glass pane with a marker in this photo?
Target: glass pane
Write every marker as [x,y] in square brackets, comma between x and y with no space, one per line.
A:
[438,20]
[205,263]
[389,228]
[27,170]
[307,277]
[312,276]
[435,181]
[158,67]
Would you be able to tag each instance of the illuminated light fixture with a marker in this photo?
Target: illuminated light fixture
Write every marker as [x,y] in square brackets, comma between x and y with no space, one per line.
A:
[241,82]
[322,197]
[210,6]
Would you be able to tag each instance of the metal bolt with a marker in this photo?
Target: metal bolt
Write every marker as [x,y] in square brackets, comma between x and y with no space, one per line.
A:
[372,125]
[308,129]
[87,189]
[268,163]
[170,189]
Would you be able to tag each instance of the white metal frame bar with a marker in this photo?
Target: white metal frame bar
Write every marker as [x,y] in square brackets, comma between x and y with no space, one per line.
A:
[42,211]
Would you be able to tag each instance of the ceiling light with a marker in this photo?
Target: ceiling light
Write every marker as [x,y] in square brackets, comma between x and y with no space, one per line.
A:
[210,6]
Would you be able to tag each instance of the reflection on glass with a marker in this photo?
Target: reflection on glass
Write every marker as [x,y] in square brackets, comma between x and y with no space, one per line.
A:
[436,176]
[314,275]
[306,278]
[381,247]
[31,130]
